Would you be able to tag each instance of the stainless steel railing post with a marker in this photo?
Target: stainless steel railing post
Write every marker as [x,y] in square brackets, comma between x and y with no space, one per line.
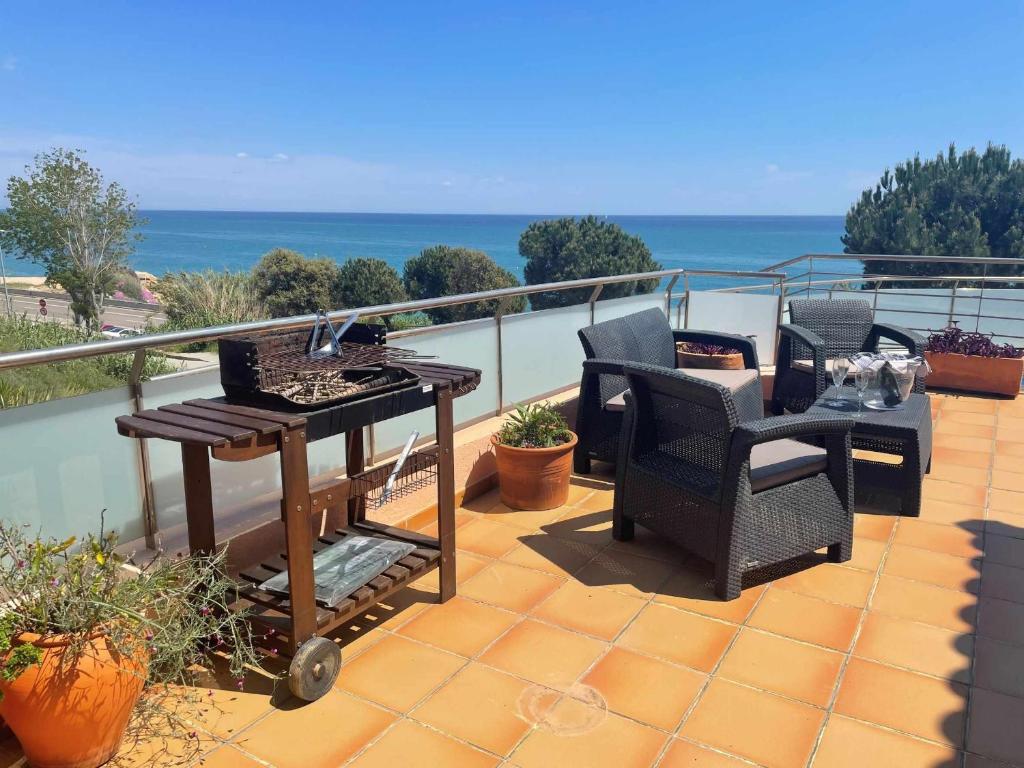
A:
[149,522]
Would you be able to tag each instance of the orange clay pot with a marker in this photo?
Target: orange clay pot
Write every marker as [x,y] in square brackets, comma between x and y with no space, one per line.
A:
[534,478]
[73,717]
[967,373]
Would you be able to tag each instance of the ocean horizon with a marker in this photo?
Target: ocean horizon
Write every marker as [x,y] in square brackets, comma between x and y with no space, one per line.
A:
[235,240]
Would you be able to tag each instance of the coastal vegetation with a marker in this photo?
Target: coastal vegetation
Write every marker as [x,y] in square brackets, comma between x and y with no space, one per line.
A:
[442,270]
[65,218]
[576,248]
[24,386]
[292,284]
[365,282]
[957,204]
[209,298]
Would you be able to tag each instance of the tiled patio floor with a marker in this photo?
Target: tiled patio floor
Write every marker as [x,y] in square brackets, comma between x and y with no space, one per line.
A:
[566,648]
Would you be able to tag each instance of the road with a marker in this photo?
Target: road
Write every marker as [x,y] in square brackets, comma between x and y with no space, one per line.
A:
[27,302]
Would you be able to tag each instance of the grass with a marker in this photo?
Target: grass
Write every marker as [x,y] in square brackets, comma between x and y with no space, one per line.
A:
[38,383]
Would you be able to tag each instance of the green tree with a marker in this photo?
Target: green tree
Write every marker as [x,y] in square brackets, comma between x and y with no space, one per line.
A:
[966,204]
[365,282]
[442,270]
[292,284]
[63,217]
[573,249]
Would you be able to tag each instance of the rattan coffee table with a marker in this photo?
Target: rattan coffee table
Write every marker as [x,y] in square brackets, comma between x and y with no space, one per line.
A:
[905,432]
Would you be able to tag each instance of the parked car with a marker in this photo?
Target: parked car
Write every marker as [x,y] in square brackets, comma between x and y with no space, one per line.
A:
[117,331]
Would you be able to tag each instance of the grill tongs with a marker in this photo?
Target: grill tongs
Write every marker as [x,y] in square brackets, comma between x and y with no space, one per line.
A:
[333,345]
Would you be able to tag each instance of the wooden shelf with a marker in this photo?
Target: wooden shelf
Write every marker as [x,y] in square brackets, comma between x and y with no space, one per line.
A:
[421,561]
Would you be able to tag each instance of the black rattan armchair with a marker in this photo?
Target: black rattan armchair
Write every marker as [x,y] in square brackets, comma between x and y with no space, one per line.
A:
[644,337]
[820,330]
[742,494]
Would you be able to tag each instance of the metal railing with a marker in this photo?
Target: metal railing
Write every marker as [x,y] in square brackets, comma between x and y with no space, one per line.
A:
[138,391]
[814,279]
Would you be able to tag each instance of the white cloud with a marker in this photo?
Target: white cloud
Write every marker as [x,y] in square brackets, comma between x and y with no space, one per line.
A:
[9,63]
[447,183]
[279,157]
[241,155]
[771,168]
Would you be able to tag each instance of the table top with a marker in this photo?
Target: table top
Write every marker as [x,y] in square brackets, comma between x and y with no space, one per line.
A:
[216,422]
[911,416]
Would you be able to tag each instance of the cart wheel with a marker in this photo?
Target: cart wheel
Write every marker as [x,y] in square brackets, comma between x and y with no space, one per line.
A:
[314,668]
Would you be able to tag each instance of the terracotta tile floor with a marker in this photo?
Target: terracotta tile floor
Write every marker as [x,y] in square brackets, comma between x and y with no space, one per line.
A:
[566,648]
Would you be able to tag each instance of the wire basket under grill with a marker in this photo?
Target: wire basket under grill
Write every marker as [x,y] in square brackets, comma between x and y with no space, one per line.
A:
[275,370]
[419,471]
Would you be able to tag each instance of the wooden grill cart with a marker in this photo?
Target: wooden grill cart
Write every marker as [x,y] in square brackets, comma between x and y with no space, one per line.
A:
[234,432]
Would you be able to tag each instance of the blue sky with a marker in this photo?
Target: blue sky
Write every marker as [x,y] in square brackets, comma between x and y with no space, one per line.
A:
[525,107]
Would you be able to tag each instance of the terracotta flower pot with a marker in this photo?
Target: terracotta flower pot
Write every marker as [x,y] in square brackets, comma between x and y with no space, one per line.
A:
[732,362]
[534,478]
[969,373]
[72,715]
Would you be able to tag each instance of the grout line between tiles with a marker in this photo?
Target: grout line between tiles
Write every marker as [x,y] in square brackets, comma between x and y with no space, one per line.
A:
[853,644]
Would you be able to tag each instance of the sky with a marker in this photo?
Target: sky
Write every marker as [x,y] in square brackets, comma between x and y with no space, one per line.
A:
[515,107]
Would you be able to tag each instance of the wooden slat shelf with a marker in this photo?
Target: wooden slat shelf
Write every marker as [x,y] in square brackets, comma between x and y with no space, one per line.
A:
[408,569]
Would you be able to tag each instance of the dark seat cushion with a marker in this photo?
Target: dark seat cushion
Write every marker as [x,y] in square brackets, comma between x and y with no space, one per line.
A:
[783,461]
[731,380]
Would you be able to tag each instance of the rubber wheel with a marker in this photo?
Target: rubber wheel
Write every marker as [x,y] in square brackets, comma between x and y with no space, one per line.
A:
[314,668]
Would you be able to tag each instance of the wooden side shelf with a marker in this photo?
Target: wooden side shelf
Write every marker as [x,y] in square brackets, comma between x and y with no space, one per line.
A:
[421,561]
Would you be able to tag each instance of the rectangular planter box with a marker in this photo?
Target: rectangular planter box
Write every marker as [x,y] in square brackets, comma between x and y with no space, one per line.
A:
[993,375]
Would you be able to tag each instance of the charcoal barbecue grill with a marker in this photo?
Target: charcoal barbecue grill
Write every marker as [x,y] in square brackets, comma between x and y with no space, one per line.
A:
[278,371]
[241,427]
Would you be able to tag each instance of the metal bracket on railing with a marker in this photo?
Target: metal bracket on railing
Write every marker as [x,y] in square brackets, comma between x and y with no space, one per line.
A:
[668,295]
[149,523]
[593,300]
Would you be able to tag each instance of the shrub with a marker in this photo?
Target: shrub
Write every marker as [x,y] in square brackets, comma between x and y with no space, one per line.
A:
[442,270]
[959,342]
[38,383]
[208,298]
[291,284]
[574,249]
[408,320]
[128,286]
[701,348]
[537,425]
[174,610]
[364,282]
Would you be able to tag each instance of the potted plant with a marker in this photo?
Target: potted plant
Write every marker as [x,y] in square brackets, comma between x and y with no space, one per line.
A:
[694,354]
[533,449]
[973,362]
[84,631]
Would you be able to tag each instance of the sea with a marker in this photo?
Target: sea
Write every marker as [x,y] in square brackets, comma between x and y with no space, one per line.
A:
[194,240]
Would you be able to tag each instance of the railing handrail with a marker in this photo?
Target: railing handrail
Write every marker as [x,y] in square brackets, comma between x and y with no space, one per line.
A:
[893,257]
[200,335]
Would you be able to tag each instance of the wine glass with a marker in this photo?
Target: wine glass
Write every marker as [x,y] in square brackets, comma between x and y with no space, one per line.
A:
[840,367]
[862,379]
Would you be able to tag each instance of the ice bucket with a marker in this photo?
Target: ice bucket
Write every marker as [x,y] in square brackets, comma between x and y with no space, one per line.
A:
[892,385]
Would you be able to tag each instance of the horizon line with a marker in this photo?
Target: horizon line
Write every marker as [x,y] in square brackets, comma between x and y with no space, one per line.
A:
[518,215]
